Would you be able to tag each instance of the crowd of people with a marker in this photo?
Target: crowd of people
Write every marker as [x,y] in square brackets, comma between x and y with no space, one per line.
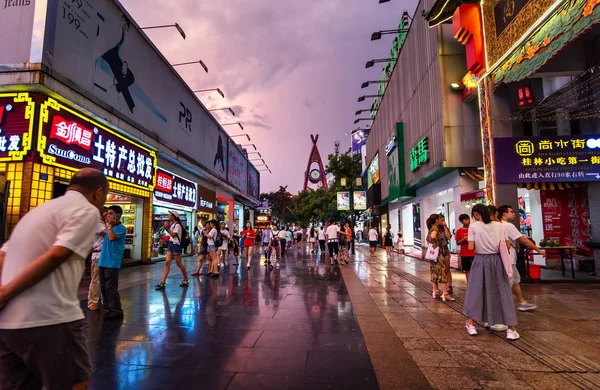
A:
[488,252]
[42,342]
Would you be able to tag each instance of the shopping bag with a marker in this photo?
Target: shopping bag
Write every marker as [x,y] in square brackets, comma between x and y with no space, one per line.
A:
[432,253]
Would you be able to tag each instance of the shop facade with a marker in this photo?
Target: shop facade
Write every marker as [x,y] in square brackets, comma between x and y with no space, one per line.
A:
[68,139]
[425,132]
[61,109]
[171,193]
[535,83]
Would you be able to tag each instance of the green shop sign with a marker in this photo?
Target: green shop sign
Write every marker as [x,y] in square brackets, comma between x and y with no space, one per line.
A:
[419,154]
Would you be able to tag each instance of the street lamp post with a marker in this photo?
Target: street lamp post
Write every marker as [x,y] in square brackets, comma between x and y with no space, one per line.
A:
[202,64]
[353,184]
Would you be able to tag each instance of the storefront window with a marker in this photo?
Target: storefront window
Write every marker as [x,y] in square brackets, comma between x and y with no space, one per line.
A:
[132,219]
[160,238]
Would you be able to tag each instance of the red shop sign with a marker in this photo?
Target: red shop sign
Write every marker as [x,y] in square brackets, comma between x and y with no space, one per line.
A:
[70,140]
[175,189]
[16,125]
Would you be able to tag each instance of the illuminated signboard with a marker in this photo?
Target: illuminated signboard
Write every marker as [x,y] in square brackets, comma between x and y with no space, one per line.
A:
[207,200]
[343,201]
[360,200]
[373,171]
[174,189]
[70,140]
[547,159]
[16,125]
[419,154]
[389,148]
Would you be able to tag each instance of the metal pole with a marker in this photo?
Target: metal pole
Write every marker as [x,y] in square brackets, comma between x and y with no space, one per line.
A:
[352,218]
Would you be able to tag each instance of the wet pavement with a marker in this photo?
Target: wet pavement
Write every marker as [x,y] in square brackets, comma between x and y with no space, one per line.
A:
[308,325]
[292,327]
[559,346]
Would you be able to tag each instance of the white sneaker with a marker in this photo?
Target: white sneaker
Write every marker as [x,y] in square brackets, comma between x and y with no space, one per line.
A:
[471,329]
[497,327]
[525,306]
[512,335]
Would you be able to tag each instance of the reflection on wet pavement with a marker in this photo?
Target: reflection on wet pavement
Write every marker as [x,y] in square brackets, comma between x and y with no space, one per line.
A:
[292,327]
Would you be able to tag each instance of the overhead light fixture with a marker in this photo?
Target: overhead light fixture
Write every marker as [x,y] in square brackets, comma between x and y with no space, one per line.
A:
[455,86]
[370,63]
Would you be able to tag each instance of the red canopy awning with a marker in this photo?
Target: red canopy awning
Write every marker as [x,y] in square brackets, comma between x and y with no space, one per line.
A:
[473,195]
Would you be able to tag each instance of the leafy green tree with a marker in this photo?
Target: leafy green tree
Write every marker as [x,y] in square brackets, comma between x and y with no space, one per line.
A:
[281,204]
[320,205]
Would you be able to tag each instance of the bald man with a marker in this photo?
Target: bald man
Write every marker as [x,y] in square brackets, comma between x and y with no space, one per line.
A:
[42,341]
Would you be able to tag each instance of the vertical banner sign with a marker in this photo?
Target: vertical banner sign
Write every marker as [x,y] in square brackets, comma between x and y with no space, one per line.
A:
[551,211]
[573,221]
[16,125]
[343,201]
[16,30]
[360,200]
[238,168]
[253,182]
[175,189]
[70,140]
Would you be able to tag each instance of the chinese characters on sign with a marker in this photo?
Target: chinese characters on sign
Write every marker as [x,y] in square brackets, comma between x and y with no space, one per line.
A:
[174,189]
[16,125]
[566,216]
[419,154]
[69,140]
[557,159]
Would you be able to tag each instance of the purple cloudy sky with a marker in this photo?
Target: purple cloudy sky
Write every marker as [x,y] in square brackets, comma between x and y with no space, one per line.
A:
[288,68]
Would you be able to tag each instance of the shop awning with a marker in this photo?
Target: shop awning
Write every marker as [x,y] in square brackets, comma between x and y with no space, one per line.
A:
[548,186]
[474,174]
[472,196]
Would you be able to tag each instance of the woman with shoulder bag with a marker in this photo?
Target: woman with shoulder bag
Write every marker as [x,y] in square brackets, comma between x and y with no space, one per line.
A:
[489,297]
[437,266]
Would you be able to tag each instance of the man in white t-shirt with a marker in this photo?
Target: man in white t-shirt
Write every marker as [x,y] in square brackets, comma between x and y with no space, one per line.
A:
[331,235]
[514,236]
[373,240]
[42,339]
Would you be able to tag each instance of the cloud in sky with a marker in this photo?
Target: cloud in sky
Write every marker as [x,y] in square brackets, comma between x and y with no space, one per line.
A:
[288,68]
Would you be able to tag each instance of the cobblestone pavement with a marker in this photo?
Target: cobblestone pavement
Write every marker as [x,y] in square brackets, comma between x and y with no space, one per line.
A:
[559,346]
